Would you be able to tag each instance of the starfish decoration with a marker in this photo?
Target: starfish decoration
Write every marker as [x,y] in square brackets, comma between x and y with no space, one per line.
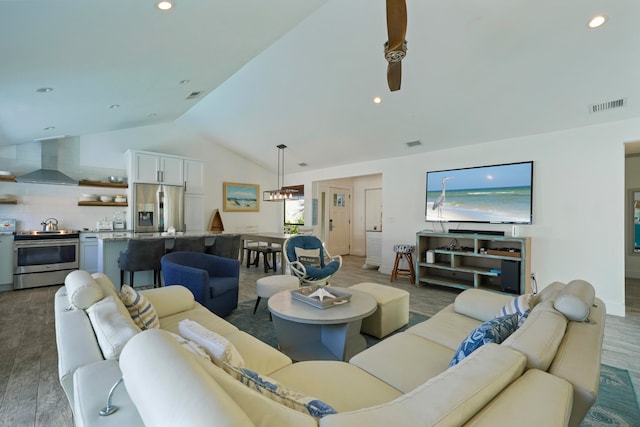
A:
[321,294]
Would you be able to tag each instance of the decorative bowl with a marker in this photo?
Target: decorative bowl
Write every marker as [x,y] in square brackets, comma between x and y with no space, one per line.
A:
[106,198]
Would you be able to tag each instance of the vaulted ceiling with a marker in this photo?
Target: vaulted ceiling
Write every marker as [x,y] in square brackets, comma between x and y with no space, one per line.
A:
[250,74]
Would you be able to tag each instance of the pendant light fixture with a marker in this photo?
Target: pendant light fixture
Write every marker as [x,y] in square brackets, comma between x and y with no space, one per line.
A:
[282,192]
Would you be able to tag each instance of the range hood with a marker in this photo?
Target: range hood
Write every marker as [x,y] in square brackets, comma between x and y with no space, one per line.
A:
[48,173]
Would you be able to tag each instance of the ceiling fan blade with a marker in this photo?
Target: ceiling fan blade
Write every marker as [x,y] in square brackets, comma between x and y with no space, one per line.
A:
[396,23]
[396,47]
[394,75]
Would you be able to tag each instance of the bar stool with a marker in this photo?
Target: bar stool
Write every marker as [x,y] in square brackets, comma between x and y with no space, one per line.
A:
[188,244]
[267,252]
[404,251]
[141,255]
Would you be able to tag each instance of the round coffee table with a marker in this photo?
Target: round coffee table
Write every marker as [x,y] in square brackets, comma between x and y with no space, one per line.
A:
[305,332]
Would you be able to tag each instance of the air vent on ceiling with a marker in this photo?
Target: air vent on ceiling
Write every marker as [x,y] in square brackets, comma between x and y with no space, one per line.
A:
[303,164]
[609,105]
[194,95]
[413,143]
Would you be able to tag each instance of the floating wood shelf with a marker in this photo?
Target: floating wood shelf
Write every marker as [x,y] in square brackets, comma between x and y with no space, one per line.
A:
[8,201]
[8,178]
[87,183]
[102,204]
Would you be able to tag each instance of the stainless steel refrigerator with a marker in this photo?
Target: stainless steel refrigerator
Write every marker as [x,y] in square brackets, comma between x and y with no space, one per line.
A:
[156,207]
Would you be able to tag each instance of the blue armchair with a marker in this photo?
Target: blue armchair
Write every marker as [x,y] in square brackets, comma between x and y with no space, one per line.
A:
[213,280]
[309,260]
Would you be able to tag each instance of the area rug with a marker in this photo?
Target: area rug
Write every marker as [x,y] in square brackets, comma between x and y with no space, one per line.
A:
[616,404]
[261,327]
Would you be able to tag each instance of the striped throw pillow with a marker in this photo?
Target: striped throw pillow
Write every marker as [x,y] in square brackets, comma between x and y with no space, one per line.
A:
[140,309]
[520,305]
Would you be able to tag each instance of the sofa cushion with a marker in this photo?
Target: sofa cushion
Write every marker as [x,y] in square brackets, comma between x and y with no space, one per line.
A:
[184,395]
[258,356]
[400,360]
[218,347]
[552,396]
[105,283]
[446,327]
[342,385]
[279,393]
[580,367]
[262,411]
[82,290]
[140,309]
[170,300]
[492,331]
[449,399]
[539,337]
[112,325]
[575,300]
[479,304]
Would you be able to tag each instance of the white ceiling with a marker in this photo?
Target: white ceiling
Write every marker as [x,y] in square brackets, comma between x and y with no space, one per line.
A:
[304,73]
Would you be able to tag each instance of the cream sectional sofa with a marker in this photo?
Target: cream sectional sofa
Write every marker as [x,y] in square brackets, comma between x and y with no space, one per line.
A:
[545,373]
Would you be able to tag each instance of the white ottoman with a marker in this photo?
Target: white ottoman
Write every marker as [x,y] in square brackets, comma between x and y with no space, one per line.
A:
[270,285]
[392,312]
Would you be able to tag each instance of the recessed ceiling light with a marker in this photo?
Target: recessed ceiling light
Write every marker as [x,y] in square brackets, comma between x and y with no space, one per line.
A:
[49,128]
[152,115]
[184,82]
[114,106]
[44,90]
[377,100]
[164,5]
[597,21]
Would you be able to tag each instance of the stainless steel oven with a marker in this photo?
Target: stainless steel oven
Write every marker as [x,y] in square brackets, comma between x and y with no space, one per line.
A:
[44,258]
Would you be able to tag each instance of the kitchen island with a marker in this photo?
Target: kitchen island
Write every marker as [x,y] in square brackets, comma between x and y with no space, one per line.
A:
[111,244]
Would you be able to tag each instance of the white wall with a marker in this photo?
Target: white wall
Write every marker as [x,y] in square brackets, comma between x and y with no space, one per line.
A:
[577,231]
[579,189]
[97,156]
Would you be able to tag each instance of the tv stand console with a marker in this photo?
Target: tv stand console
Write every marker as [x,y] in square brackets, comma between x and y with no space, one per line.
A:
[482,261]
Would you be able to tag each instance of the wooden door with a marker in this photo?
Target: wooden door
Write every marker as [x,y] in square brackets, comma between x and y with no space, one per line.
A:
[339,241]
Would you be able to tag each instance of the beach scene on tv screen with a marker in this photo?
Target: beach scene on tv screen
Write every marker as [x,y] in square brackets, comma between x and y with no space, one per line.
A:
[499,193]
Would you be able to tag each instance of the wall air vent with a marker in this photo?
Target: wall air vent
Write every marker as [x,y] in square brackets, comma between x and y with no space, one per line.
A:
[609,105]
[193,95]
[413,143]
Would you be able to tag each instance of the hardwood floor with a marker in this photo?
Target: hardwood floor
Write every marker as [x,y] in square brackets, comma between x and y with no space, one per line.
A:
[30,394]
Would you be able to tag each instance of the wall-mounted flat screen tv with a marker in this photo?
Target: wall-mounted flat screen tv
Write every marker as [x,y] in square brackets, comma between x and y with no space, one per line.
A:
[484,194]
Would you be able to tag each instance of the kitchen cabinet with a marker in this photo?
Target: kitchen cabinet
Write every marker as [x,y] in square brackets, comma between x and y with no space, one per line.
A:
[374,249]
[6,259]
[194,176]
[154,168]
[88,259]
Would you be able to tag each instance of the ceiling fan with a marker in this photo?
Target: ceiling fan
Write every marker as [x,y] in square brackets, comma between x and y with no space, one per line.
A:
[395,49]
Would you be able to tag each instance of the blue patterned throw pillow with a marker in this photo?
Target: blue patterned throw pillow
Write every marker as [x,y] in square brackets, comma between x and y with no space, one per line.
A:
[492,331]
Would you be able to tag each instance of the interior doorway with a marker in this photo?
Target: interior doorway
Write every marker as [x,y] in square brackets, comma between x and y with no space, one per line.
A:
[339,242]
[357,187]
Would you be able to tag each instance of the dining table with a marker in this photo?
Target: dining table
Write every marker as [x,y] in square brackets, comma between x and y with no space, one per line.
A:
[266,237]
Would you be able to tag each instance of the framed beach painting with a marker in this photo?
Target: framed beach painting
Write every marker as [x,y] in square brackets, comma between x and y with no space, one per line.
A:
[239,197]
